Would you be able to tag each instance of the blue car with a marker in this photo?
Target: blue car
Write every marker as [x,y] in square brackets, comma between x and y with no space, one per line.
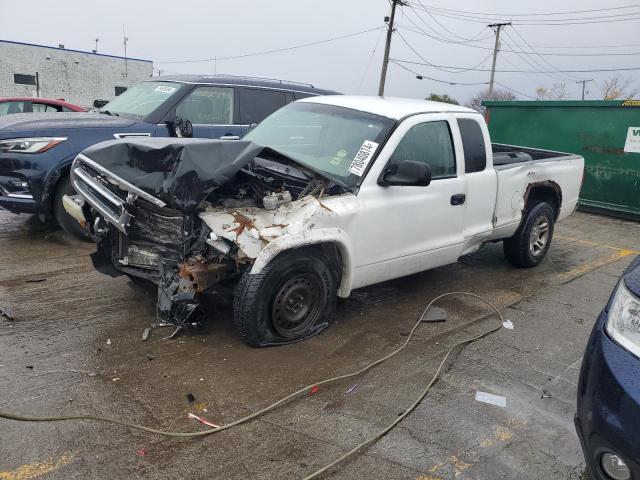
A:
[608,414]
[36,151]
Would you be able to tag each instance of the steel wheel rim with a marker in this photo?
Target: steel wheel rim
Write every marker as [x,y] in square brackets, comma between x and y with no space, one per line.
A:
[296,305]
[539,235]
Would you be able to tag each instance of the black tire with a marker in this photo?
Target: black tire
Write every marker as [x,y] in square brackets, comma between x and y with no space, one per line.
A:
[293,298]
[525,251]
[66,221]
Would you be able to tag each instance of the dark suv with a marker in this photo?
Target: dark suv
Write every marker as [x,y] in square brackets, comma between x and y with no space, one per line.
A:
[36,151]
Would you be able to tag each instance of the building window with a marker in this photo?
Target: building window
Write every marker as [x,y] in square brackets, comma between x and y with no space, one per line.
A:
[24,79]
[120,90]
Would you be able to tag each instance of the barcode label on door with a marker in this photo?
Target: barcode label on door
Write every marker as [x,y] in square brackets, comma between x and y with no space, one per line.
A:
[363,157]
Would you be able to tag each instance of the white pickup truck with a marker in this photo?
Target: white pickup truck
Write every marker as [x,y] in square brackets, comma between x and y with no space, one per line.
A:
[327,195]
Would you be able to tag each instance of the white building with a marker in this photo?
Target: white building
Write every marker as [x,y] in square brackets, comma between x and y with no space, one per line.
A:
[28,70]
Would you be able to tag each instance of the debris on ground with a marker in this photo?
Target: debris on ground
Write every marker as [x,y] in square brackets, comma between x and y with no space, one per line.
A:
[202,420]
[313,390]
[108,341]
[191,398]
[491,399]
[435,314]
[146,333]
[546,394]
[5,312]
[141,452]
[35,280]
[508,324]
[351,389]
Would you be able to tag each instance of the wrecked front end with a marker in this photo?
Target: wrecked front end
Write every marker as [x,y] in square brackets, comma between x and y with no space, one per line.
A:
[189,215]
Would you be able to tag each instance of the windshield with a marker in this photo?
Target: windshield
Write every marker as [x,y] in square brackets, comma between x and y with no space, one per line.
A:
[141,99]
[336,141]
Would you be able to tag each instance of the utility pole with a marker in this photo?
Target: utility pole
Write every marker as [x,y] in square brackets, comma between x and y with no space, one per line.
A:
[97,40]
[583,82]
[126,39]
[497,27]
[385,61]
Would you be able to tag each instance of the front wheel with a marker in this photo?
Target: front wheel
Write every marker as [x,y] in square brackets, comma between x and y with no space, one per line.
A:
[293,298]
[530,243]
[66,221]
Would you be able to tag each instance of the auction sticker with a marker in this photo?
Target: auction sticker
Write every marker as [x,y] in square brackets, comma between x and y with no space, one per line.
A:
[363,157]
[632,144]
[163,89]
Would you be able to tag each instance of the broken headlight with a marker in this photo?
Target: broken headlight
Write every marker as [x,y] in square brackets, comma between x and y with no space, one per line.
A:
[623,324]
[30,145]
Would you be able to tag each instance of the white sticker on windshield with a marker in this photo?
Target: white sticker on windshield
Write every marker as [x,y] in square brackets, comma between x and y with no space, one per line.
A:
[363,157]
[163,89]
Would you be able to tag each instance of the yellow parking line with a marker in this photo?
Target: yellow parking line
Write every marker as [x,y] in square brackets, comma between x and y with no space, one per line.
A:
[594,244]
[37,469]
[594,264]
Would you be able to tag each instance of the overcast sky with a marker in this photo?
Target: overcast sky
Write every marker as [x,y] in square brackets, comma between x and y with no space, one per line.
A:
[162,30]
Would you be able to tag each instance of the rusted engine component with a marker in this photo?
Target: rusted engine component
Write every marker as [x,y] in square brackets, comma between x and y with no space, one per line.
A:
[202,275]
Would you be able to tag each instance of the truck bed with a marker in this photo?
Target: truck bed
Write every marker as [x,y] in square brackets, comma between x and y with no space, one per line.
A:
[506,155]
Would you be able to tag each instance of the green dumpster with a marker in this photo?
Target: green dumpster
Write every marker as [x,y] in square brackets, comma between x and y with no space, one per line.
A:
[605,133]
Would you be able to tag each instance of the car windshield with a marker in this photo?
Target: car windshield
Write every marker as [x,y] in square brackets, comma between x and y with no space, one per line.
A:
[338,142]
[141,99]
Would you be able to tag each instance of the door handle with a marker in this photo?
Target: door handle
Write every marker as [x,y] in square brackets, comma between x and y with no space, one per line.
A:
[458,199]
[230,137]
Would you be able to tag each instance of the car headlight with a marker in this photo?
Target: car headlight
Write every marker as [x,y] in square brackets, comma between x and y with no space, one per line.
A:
[30,145]
[623,324]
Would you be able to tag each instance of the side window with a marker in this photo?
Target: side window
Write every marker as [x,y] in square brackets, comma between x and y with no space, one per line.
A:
[429,143]
[208,106]
[256,104]
[475,153]
[41,107]
[17,107]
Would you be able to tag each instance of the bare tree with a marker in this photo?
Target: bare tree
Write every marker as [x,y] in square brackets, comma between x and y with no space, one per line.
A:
[558,91]
[497,94]
[619,88]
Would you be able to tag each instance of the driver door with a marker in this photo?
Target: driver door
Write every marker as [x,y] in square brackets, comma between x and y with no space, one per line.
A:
[408,229]
[210,110]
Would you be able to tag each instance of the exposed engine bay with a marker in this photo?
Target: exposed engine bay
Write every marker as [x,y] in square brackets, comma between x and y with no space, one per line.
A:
[155,215]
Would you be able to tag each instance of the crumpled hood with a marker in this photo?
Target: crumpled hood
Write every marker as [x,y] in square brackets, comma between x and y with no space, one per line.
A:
[18,122]
[182,172]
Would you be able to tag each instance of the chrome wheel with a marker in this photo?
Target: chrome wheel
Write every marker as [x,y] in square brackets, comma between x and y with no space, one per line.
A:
[539,236]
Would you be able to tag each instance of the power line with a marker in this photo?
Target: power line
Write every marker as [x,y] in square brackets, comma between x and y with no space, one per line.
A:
[266,52]
[619,69]
[635,5]
[421,77]
[465,44]
[441,25]
[461,70]
[549,22]
[515,91]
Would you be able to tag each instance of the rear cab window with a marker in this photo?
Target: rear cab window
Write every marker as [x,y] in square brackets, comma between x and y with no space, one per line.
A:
[473,144]
[257,104]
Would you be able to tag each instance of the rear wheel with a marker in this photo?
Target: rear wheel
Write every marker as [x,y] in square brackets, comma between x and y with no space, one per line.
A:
[530,243]
[66,221]
[293,298]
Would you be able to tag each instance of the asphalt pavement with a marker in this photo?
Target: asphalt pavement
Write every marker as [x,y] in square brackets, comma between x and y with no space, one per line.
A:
[74,346]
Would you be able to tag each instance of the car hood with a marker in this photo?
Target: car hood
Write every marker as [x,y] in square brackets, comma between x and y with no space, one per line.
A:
[181,172]
[32,122]
[632,277]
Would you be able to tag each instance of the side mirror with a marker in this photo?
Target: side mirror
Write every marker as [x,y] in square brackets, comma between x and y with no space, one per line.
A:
[179,127]
[406,173]
[252,126]
[99,103]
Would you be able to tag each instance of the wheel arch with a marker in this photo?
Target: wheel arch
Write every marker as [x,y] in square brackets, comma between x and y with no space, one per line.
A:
[546,191]
[332,243]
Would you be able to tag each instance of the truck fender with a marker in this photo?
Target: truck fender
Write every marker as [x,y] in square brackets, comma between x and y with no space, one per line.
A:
[317,236]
